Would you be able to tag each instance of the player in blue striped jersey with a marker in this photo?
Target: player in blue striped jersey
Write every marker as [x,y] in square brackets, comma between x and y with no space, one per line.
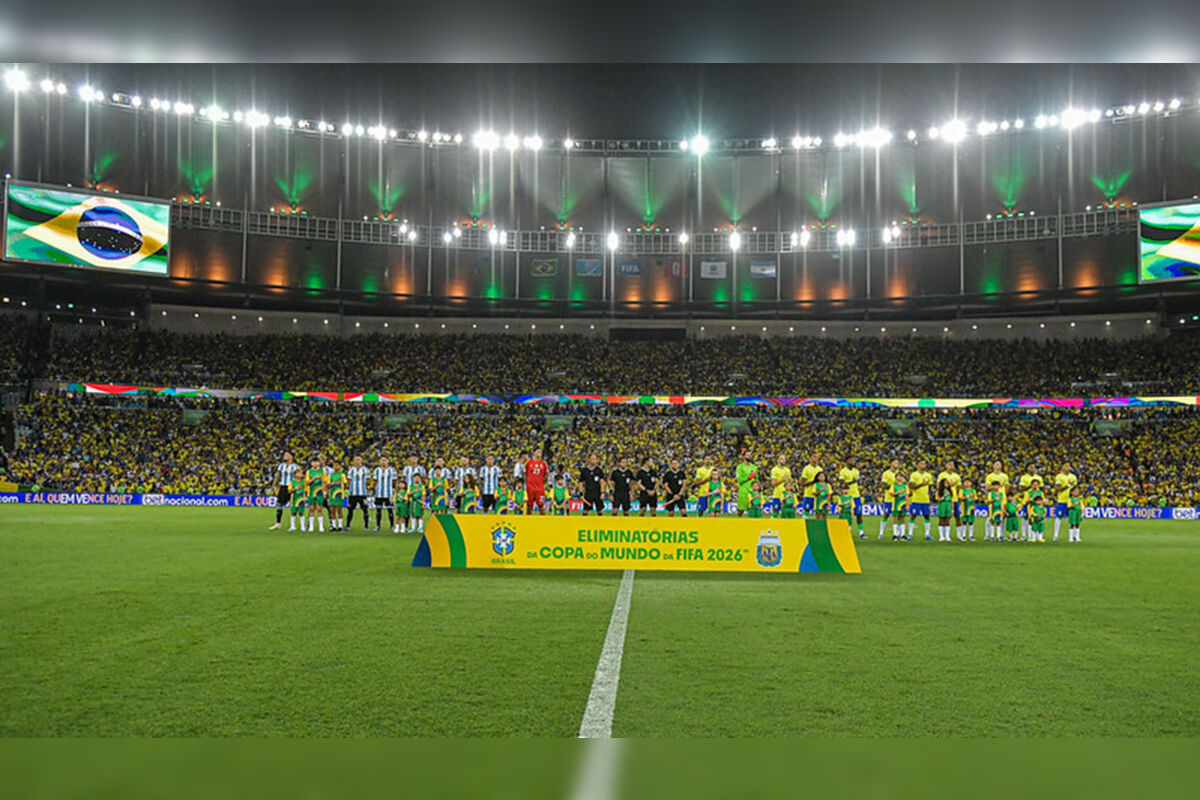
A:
[489,483]
[358,475]
[282,481]
[385,477]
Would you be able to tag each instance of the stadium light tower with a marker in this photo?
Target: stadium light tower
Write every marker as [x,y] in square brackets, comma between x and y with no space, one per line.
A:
[16,80]
[700,144]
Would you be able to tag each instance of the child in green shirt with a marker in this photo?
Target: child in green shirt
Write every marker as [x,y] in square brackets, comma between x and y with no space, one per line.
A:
[1074,515]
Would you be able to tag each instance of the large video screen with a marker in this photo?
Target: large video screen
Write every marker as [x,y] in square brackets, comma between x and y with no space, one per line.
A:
[1169,242]
[85,229]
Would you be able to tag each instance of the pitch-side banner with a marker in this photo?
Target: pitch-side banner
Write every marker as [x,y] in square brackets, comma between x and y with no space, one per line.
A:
[487,541]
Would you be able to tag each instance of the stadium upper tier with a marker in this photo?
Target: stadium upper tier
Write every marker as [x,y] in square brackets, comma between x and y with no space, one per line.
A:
[553,363]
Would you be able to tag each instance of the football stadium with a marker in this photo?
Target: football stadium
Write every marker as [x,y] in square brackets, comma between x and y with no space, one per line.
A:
[567,410]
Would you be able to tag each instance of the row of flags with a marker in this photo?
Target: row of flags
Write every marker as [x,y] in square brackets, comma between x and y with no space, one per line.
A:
[672,268]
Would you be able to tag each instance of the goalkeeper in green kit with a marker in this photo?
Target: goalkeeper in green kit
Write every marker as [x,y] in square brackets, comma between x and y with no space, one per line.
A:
[747,474]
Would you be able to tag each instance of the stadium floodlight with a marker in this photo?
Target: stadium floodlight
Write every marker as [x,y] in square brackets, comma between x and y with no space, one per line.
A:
[1039,121]
[485,140]
[458,138]
[16,79]
[887,235]
[683,239]
[87,94]
[447,238]
[347,129]
[493,237]
[1174,104]
[403,228]
[841,140]
[895,231]
[683,145]
[568,143]
[954,131]
[1094,115]
[283,122]
[1159,106]
[512,141]
[422,135]
[456,232]
[770,143]
[183,109]
[136,101]
[986,127]
[805,237]
[797,142]
[911,135]
[533,143]
[935,132]
[1073,117]
[735,241]
[1018,123]
[614,241]
[359,130]
[570,240]
[503,238]
[700,144]
[1052,121]
[1143,107]
[794,239]
[257,119]
[876,137]
[1004,125]
[412,236]
[47,86]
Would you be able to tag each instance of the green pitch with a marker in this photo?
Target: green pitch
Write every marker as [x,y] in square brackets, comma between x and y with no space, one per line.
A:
[163,621]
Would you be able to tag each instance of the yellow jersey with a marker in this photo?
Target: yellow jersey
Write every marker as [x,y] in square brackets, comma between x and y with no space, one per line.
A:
[954,481]
[849,479]
[784,476]
[1065,482]
[889,480]
[702,476]
[809,476]
[997,477]
[920,495]
[1026,482]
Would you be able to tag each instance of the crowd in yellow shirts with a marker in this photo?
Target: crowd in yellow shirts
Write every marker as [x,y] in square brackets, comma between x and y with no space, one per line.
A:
[221,447]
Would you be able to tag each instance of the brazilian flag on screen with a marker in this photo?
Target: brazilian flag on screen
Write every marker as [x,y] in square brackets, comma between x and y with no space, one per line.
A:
[79,229]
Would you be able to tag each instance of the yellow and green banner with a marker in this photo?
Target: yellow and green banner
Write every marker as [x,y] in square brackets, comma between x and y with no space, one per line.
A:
[490,541]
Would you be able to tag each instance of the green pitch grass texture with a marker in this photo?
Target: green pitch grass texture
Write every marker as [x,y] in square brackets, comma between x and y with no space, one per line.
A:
[182,622]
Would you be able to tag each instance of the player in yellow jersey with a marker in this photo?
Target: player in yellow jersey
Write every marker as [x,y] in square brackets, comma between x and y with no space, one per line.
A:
[888,480]
[1064,482]
[919,484]
[954,482]
[848,475]
[997,476]
[1026,485]
[781,478]
[703,474]
[808,481]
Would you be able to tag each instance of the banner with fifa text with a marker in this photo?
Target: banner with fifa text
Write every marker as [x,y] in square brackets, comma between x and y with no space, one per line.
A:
[492,541]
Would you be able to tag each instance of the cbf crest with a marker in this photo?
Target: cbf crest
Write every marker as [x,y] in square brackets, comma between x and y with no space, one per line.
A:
[503,540]
[769,552]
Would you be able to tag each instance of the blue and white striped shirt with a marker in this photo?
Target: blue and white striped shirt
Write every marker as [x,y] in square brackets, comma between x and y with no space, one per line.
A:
[460,473]
[410,470]
[285,471]
[384,477]
[490,477]
[358,480]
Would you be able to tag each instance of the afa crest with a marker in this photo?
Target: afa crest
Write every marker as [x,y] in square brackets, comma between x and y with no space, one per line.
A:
[503,540]
[769,552]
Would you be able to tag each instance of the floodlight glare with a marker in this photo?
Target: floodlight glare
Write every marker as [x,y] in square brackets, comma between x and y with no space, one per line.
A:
[794,239]
[735,241]
[700,144]
[954,131]
[1143,107]
[1074,117]
[493,237]
[1019,124]
[876,137]
[1159,106]
[446,237]
[512,142]
[568,144]
[1174,104]
[770,144]
[422,135]
[570,240]
[797,142]
[456,232]
[911,135]
[1039,121]
[614,241]
[1094,115]
[935,132]
[412,236]
[805,236]
[683,145]
[347,129]
[16,79]
[533,143]
[87,93]
[359,130]
[683,238]
[47,85]
[887,235]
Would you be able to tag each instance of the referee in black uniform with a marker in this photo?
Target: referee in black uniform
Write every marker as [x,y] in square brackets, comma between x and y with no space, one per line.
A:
[591,477]
[621,480]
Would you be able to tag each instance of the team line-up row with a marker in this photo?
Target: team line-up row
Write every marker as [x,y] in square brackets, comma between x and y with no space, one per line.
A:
[1010,512]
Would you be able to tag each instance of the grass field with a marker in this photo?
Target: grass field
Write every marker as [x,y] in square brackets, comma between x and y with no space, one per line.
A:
[164,621]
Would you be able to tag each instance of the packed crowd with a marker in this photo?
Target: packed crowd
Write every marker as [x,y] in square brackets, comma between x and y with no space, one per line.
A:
[78,443]
[744,365]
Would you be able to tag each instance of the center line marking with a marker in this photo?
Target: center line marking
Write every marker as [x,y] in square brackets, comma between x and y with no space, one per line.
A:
[598,716]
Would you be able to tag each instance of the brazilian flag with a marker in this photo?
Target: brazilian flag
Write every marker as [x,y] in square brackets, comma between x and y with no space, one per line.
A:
[78,229]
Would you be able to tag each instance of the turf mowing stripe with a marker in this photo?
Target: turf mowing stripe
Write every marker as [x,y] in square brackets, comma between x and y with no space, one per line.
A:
[598,716]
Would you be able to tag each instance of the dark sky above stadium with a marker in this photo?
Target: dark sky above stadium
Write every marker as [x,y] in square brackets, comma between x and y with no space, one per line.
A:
[651,101]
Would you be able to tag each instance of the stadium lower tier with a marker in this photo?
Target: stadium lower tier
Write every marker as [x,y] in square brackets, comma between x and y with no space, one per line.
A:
[204,447]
